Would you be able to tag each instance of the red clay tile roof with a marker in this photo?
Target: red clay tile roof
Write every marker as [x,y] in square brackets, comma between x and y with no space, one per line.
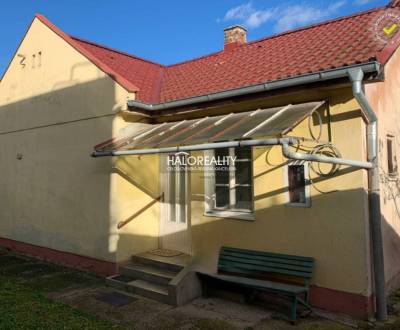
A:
[327,45]
[142,73]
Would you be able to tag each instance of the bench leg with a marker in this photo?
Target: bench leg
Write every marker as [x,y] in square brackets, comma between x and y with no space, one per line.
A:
[293,310]
[307,297]
[249,297]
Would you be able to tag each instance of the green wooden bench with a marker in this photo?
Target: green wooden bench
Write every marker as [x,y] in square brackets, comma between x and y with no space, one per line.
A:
[282,274]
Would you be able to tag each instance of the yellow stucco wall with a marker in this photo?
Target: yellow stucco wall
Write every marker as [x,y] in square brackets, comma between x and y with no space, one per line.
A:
[385,100]
[134,186]
[57,196]
[333,230]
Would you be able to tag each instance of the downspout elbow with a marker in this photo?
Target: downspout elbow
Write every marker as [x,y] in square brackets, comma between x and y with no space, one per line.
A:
[289,154]
[356,76]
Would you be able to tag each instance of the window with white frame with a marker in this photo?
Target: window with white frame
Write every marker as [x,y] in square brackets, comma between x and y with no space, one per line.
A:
[298,189]
[391,156]
[229,189]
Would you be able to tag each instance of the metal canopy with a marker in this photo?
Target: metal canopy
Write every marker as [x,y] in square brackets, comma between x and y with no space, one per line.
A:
[271,122]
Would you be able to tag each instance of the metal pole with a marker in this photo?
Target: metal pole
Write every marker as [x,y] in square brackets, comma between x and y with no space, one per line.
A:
[323,159]
[284,142]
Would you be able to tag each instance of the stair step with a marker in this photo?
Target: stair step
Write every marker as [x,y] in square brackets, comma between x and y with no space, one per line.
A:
[174,264]
[150,273]
[150,290]
[119,281]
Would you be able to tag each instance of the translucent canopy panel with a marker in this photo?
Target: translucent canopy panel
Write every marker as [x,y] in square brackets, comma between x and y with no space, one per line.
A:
[270,122]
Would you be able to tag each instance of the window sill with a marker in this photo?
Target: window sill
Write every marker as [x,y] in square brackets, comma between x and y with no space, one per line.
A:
[231,215]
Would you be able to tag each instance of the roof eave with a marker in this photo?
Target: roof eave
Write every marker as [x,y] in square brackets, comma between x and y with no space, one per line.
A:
[330,74]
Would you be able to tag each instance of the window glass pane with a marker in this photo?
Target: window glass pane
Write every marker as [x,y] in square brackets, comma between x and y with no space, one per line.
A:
[243,172]
[222,176]
[170,198]
[222,152]
[221,172]
[243,198]
[243,153]
[222,196]
[391,157]
[297,190]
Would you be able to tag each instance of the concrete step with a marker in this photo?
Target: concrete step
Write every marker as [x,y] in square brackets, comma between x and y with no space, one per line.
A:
[174,264]
[150,290]
[119,281]
[150,273]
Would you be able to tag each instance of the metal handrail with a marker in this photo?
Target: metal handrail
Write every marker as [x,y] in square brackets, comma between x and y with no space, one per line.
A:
[133,216]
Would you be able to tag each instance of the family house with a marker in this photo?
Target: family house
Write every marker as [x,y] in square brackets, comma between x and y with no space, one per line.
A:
[309,118]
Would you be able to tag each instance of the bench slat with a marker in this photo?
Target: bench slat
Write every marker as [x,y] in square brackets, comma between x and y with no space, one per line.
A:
[260,265]
[267,254]
[252,262]
[279,263]
[249,269]
[260,284]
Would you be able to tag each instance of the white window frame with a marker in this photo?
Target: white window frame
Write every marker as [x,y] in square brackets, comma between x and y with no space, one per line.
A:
[307,189]
[210,200]
[392,139]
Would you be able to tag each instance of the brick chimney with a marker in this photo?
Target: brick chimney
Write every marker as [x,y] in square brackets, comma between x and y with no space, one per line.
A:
[234,36]
[394,3]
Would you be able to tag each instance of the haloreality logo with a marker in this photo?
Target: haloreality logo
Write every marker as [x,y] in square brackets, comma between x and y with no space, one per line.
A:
[183,160]
[386,27]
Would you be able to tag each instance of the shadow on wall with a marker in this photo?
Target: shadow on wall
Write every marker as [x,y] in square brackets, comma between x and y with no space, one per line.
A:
[338,246]
[53,193]
[333,231]
[392,255]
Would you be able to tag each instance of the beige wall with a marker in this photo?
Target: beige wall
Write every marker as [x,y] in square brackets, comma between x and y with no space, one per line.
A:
[385,100]
[57,196]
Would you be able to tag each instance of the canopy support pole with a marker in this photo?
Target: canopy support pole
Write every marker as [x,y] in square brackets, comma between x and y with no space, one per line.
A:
[283,142]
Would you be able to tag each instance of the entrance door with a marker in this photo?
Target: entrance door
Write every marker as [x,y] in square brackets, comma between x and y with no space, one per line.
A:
[174,228]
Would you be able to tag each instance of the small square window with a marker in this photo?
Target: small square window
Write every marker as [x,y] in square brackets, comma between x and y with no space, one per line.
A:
[391,156]
[298,190]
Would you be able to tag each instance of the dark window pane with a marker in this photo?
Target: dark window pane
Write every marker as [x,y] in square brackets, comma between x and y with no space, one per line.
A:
[243,172]
[223,152]
[222,175]
[297,190]
[391,157]
[243,152]
[243,198]
[221,172]
[222,196]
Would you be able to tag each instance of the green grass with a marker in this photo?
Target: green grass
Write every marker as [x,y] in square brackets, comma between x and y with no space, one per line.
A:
[59,281]
[23,308]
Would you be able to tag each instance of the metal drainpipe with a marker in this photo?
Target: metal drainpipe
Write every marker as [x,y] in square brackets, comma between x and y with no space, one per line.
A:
[356,77]
[283,142]
[322,159]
